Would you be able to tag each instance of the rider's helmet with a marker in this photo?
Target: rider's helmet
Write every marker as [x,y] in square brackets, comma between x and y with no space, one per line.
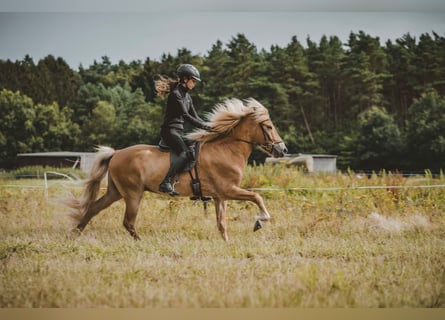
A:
[189,71]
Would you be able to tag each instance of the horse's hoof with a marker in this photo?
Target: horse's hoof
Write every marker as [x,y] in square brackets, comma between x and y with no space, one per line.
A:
[258,225]
[74,233]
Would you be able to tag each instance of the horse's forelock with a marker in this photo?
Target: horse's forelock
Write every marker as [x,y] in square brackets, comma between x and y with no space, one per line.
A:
[260,112]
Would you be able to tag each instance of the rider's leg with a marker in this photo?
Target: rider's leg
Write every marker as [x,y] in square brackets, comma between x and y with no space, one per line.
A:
[177,162]
[179,157]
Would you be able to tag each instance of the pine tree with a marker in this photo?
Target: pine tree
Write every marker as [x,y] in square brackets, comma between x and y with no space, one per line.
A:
[364,72]
[399,87]
[426,132]
[326,61]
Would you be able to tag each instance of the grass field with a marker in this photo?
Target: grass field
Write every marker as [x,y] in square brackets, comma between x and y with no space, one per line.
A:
[343,247]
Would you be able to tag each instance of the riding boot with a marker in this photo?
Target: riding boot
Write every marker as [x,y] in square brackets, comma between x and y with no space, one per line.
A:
[176,163]
[167,187]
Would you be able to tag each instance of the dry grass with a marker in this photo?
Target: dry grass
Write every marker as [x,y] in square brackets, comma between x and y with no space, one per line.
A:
[342,248]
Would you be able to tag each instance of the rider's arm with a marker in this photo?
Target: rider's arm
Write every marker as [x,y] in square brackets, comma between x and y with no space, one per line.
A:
[191,116]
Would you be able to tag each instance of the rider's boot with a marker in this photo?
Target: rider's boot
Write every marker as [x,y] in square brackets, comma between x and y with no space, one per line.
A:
[167,187]
[175,164]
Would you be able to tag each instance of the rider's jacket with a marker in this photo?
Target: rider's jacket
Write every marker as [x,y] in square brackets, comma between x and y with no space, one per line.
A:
[179,109]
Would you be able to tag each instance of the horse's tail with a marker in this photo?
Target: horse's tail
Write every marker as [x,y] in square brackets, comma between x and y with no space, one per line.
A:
[92,185]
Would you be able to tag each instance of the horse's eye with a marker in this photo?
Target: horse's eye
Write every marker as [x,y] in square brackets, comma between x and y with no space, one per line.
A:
[269,127]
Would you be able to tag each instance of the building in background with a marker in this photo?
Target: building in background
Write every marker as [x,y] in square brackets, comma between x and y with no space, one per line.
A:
[59,159]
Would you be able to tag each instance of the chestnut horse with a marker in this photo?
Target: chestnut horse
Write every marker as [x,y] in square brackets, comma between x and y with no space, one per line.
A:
[239,126]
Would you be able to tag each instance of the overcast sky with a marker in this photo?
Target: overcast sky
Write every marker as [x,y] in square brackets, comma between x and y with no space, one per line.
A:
[84,33]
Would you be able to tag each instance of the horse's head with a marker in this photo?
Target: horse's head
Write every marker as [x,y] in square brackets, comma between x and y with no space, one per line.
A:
[247,121]
[263,132]
[272,143]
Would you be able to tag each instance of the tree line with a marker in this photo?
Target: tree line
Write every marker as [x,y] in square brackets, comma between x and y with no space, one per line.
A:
[377,106]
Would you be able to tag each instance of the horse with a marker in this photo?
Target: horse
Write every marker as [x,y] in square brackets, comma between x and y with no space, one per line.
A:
[238,126]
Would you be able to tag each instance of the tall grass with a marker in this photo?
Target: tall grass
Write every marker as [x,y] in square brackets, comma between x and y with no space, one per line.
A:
[323,248]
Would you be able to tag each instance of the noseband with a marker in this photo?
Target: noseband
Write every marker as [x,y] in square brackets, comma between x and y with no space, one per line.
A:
[268,145]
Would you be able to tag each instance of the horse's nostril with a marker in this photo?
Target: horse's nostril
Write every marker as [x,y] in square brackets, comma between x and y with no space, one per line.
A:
[285,150]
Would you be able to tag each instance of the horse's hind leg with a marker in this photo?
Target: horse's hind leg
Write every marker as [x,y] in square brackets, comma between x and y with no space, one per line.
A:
[112,195]
[131,211]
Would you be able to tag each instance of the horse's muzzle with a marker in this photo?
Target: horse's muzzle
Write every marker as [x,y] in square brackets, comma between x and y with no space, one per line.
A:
[279,150]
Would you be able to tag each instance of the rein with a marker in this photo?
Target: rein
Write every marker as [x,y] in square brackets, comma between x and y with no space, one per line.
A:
[266,147]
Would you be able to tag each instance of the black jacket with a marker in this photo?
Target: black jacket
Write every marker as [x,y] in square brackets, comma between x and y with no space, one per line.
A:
[179,109]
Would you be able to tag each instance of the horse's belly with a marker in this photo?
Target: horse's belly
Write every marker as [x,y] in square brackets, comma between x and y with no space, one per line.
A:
[142,165]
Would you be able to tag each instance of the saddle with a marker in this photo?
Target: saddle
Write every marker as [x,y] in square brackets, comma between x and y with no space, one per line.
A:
[189,167]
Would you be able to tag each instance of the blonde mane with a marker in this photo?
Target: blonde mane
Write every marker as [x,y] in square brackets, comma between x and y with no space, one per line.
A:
[227,115]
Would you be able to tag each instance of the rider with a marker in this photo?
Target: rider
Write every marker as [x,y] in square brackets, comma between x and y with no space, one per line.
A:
[179,109]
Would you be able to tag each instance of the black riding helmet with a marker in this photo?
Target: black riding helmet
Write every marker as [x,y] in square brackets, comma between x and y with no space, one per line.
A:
[189,71]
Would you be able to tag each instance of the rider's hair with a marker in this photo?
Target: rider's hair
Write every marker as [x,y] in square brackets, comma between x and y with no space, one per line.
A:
[164,84]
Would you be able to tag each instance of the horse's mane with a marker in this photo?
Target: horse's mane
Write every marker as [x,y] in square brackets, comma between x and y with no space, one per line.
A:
[227,115]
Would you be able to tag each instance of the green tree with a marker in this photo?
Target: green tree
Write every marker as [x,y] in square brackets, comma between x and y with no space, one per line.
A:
[57,81]
[137,121]
[145,79]
[28,127]
[378,141]
[54,129]
[426,132]
[100,127]
[429,63]
[399,87]
[96,72]
[51,80]
[17,132]
[245,66]
[9,75]
[215,73]
[364,72]
[288,67]
[86,100]
[326,61]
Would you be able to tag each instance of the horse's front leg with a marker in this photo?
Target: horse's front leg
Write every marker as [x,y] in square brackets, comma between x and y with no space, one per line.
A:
[242,194]
[220,207]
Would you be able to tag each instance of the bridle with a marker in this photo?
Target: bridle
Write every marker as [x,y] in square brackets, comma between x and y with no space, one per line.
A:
[267,146]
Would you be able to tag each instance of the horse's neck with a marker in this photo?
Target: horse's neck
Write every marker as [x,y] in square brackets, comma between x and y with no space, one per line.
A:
[232,150]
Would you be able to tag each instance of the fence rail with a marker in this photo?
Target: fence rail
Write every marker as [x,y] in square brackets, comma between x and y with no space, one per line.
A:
[348,188]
